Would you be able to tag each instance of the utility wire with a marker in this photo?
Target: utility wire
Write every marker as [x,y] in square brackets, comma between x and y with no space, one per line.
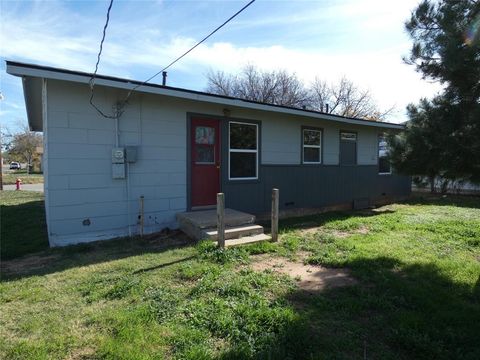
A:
[119,108]
[92,79]
[189,50]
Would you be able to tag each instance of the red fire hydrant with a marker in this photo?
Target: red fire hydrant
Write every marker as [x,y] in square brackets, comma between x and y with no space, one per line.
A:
[17,183]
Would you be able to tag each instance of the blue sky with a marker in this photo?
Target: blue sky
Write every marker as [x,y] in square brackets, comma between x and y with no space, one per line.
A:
[363,40]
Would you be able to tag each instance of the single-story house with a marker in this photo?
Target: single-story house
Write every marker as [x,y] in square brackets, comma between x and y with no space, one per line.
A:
[177,148]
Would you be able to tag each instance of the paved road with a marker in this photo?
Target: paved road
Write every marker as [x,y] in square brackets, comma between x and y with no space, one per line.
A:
[26,187]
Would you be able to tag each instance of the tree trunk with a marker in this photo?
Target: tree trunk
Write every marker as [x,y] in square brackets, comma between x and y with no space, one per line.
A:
[432,183]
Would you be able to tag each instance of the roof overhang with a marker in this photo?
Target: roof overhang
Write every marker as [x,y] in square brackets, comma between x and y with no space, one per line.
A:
[33,74]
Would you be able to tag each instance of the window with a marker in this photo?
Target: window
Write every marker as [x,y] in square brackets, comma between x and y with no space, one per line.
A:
[312,146]
[384,166]
[204,145]
[348,148]
[243,151]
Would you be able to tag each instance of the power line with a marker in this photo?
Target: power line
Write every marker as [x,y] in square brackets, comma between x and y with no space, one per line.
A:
[189,50]
[119,108]
[92,79]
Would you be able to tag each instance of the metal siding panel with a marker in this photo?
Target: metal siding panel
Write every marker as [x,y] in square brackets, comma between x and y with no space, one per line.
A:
[313,187]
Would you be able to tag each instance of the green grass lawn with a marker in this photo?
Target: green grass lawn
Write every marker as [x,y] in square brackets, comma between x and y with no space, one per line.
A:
[23,230]
[416,295]
[11,177]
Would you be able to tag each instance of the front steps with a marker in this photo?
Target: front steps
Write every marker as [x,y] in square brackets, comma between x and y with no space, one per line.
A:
[240,227]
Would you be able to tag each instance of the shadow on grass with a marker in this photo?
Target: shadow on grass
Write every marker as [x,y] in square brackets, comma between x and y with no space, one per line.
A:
[59,259]
[23,229]
[465,201]
[397,311]
[303,222]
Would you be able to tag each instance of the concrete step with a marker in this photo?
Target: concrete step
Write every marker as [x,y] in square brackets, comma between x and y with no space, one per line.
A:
[235,232]
[196,223]
[247,240]
[208,218]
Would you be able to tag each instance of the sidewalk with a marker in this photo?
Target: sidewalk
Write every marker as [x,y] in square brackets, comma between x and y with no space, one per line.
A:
[26,187]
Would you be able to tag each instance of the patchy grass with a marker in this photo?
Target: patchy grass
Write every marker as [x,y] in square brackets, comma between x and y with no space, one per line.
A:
[416,294]
[11,177]
[23,227]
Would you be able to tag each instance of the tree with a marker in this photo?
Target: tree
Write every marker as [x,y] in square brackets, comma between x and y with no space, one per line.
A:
[275,87]
[283,88]
[23,146]
[420,150]
[345,99]
[446,51]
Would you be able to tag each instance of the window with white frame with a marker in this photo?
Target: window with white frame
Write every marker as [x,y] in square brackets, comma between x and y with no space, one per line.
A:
[312,146]
[384,166]
[242,151]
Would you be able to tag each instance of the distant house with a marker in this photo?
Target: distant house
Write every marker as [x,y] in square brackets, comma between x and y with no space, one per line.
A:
[177,148]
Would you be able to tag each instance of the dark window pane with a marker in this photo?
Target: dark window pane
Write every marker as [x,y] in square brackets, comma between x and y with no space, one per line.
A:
[348,152]
[243,165]
[205,154]
[311,154]
[243,136]
[311,137]
[204,135]
[383,165]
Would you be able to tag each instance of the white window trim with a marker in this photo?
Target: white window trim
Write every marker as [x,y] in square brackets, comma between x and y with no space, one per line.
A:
[312,146]
[230,150]
[378,158]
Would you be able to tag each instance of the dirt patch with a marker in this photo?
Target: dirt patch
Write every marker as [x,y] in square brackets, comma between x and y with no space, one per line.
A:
[337,233]
[27,263]
[311,278]
[82,354]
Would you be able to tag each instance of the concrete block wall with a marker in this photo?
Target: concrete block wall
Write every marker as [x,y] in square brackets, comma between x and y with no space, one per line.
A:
[84,202]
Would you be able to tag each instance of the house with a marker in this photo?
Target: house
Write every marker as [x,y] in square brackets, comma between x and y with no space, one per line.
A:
[177,148]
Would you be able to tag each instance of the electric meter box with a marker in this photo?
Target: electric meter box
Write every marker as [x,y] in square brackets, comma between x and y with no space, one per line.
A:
[130,154]
[118,171]
[118,156]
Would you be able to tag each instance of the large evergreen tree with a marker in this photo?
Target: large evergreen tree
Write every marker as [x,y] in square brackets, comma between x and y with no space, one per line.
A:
[444,133]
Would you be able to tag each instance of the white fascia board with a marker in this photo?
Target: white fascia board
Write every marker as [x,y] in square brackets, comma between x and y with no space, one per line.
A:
[126,85]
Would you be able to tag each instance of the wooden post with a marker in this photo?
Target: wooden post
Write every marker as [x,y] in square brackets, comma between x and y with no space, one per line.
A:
[275,200]
[221,220]
[142,215]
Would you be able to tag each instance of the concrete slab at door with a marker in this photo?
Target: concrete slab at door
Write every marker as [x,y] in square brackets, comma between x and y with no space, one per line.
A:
[205,161]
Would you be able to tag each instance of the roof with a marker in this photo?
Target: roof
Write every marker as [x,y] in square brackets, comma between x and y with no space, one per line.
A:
[33,74]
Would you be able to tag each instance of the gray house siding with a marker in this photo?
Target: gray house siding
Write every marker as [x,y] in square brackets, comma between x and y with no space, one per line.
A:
[314,187]
[80,186]
[84,203]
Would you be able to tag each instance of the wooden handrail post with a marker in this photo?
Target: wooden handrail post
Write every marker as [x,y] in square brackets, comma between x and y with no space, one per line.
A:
[275,201]
[221,220]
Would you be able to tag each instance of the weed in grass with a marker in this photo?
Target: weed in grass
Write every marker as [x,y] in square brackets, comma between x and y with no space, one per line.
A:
[208,250]
[263,247]
[162,303]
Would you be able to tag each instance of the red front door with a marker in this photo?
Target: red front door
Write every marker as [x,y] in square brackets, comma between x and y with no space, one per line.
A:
[205,161]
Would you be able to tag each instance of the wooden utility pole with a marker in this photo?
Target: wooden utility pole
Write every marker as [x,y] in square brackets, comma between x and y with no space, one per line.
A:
[275,200]
[221,220]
